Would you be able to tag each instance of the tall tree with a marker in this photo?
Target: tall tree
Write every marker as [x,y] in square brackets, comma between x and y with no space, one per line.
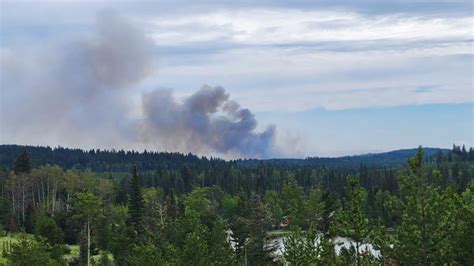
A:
[86,207]
[21,186]
[351,221]
[22,163]
[136,202]
[301,248]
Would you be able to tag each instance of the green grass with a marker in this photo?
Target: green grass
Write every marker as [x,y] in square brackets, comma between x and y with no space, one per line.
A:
[10,239]
[74,252]
[74,249]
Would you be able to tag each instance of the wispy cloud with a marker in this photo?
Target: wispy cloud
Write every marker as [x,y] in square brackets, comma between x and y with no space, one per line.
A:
[283,27]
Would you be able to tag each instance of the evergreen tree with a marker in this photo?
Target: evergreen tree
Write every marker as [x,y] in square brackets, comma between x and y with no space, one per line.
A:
[136,203]
[221,250]
[28,253]
[293,203]
[259,249]
[351,221]
[302,248]
[171,206]
[241,225]
[22,163]
[46,227]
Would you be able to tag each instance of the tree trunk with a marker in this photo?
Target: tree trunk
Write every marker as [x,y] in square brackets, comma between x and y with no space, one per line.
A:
[88,244]
[23,199]
[357,252]
[53,203]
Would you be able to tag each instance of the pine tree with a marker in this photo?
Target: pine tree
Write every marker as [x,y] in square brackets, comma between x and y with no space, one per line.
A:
[22,163]
[136,203]
[240,227]
[259,250]
[351,221]
[301,248]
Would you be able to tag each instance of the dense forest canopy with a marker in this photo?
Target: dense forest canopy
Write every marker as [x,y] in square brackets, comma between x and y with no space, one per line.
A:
[130,208]
[122,161]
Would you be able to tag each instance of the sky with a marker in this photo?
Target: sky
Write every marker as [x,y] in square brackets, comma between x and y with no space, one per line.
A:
[238,78]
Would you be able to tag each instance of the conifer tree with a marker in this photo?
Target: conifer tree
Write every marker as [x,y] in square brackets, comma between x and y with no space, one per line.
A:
[351,221]
[136,203]
[22,163]
[259,250]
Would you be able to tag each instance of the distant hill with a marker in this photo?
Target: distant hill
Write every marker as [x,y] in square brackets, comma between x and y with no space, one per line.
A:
[389,159]
[122,161]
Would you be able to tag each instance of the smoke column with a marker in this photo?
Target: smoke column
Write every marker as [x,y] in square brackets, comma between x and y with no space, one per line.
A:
[77,93]
[205,121]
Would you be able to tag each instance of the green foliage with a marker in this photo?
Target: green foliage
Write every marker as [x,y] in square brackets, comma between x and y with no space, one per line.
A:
[86,207]
[46,227]
[315,205]
[27,252]
[273,201]
[435,221]
[22,163]
[221,250]
[197,204]
[195,250]
[302,248]
[293,202]
[351,221]
[229,205]
[136,202]
[145,255]
[419,215]
[259,250]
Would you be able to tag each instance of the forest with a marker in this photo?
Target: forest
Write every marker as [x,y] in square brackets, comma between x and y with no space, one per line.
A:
[72,207]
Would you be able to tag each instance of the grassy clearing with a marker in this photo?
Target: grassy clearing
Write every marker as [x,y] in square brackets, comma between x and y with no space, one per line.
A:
[74,249]
[74,252]
[10,239]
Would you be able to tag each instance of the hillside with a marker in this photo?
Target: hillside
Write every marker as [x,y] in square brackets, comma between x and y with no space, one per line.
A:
[389,159]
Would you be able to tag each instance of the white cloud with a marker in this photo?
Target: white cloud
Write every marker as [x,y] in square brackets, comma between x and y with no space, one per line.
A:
[273,79]
[291,60]
[283,26]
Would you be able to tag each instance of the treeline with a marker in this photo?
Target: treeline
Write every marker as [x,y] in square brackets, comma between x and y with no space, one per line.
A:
[219,213]
[101,160]
[122,161]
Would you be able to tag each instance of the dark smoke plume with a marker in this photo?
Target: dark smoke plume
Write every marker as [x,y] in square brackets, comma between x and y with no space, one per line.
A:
[206,121]
[78,94]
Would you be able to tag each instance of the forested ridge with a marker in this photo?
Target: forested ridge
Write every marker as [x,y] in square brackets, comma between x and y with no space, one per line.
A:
[121,161]
[130,208]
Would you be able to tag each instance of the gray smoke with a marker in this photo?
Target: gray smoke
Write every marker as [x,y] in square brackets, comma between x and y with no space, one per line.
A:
[206,121]
[78,94]
[72,92]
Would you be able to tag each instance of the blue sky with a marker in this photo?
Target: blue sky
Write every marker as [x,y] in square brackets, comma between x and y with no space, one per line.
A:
[333,77]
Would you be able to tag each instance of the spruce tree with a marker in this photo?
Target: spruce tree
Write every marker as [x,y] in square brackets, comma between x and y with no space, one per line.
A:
[136,202]
[22,163]
[259,250]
